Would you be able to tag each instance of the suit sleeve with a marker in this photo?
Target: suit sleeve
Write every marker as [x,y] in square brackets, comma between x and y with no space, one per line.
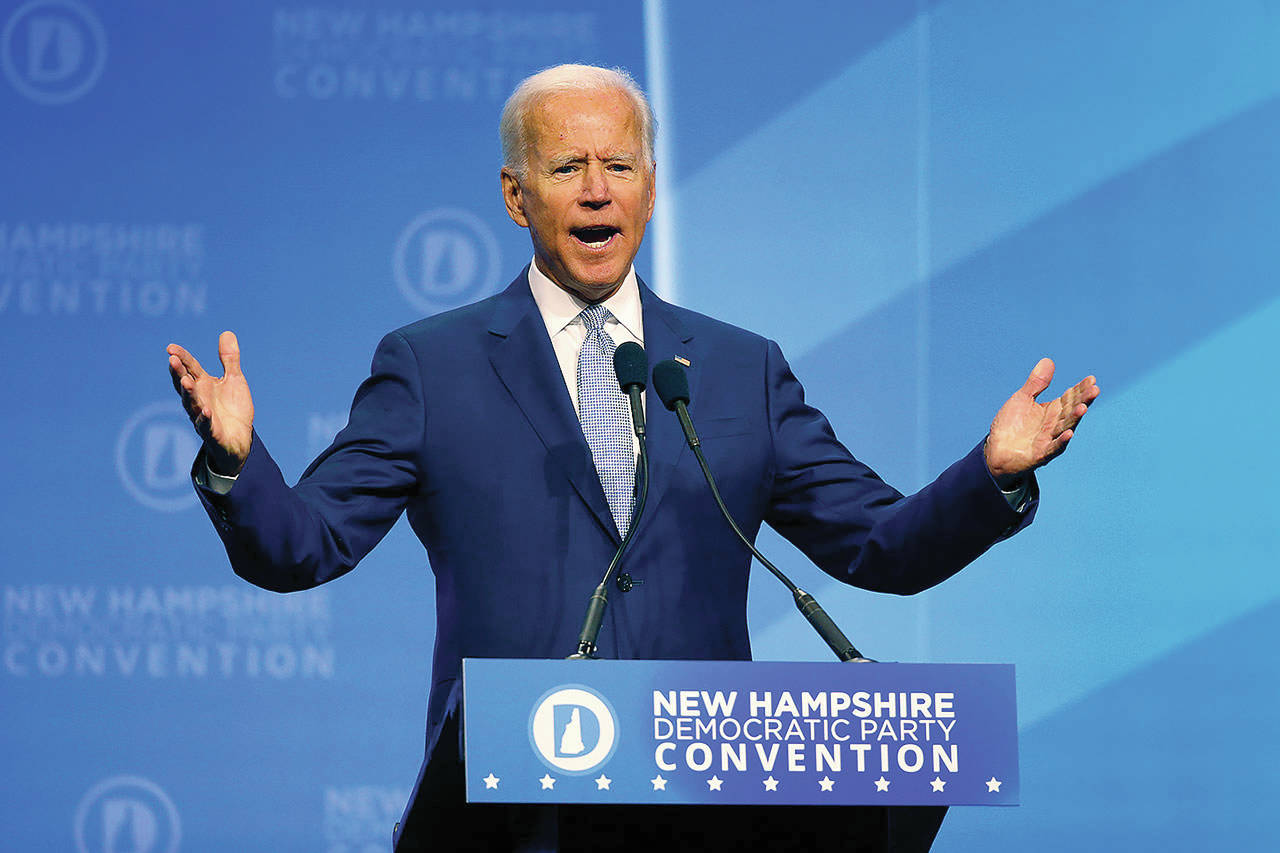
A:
[859,529]
[290,539]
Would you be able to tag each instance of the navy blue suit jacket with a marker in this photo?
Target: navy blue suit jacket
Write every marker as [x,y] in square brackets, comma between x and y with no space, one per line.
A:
[466,424]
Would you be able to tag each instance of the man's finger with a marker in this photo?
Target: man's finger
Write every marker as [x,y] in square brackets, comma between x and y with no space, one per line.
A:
[1067,419]
[1041,376]
[185,384]
[186,359]
[229,353]
[1059,444]
[189,402]
[200,420]
[176,372]
[1082,394]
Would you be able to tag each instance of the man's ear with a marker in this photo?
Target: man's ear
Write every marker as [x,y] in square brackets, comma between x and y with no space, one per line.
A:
[513,198]
[653,190]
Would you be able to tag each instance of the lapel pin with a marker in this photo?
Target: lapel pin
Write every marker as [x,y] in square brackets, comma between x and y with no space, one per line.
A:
[683,361]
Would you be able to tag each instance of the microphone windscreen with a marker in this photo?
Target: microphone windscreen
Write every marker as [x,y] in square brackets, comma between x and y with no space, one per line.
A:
[671,382]
[631,365]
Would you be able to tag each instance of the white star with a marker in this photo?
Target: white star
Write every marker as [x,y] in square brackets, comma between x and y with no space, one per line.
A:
[602,784]
[993,785]
[882,784]
[825,783]
[548,782]
[490,782]
[771,784]
[937,784]
[659,784]
[714,783]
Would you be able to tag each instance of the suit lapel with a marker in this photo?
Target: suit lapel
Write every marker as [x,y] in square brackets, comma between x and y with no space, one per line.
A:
[664,337]
[526,363]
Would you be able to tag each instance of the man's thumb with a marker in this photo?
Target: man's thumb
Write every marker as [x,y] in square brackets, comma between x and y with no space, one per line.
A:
[1041,376]
[229,353]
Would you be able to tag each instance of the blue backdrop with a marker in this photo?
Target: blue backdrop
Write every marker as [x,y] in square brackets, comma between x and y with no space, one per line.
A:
[918,200]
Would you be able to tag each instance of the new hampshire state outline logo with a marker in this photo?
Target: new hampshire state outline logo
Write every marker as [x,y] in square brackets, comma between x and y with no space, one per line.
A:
[573,729]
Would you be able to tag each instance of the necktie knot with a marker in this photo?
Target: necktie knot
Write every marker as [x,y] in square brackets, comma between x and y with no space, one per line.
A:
[594,317]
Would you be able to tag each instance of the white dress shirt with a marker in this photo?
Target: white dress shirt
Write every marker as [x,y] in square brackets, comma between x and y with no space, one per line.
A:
[560,309]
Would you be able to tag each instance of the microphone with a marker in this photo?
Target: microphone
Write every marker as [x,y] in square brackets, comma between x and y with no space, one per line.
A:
[672,384]
[631,366]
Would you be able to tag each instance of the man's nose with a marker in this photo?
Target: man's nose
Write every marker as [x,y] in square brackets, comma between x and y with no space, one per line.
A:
[595,188]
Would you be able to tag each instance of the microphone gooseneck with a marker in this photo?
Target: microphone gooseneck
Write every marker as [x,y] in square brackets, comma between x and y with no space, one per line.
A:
[672,384]
[631,366]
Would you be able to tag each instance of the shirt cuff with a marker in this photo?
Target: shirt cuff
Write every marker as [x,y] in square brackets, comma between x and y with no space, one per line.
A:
[1017,496]
[220,484]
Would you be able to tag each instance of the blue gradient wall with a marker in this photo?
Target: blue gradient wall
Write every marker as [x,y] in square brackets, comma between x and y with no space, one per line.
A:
[919,202]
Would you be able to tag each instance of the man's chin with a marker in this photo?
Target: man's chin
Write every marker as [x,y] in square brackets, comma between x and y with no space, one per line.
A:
[593,291]
[593,285]
[590,276]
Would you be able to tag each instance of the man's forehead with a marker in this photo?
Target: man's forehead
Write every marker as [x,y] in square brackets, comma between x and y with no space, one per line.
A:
[566,119]
[597,99]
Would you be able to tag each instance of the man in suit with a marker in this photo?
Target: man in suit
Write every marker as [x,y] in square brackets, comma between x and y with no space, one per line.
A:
[485,426]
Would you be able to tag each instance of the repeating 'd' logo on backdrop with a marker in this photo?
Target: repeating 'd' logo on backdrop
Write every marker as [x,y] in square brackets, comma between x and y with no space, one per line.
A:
[154,455]
[573,729]
[446,258]
[127,814]
[53,51]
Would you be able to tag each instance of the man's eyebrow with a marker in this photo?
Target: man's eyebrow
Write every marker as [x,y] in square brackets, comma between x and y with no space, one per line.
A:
[565,159]
[613,157]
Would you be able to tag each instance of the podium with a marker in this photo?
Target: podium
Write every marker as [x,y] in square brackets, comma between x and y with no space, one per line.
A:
[739,733]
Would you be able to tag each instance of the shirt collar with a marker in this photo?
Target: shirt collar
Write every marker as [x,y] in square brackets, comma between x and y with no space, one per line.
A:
[559,307]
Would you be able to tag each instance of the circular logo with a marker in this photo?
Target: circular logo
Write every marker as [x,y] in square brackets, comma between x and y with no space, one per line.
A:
[53,51]
[573,729]
[445,258]
[154,455]
[127,813]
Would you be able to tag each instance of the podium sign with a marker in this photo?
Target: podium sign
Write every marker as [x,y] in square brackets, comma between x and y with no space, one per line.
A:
[736,732]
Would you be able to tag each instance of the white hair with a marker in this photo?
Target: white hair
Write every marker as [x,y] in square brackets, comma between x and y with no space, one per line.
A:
[513,128]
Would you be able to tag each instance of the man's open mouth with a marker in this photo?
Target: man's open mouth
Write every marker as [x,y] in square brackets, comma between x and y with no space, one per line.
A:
[594,236]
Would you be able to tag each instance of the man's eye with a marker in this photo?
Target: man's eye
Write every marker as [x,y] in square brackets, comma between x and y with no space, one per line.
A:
[564,170]
[619,167]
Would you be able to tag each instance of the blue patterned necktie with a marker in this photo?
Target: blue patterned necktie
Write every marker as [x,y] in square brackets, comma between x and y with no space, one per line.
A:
[605,416]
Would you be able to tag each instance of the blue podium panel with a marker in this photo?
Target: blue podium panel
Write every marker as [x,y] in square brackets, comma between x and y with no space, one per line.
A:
[736,732]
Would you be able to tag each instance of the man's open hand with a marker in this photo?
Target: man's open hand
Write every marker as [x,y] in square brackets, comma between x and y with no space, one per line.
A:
[220,407]
[1026,434]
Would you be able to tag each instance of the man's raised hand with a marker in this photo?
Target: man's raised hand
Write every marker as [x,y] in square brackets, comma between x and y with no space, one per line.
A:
[1026,434]
[220,407]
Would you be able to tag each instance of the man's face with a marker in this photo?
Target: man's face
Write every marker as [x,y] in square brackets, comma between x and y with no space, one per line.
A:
[587,194]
